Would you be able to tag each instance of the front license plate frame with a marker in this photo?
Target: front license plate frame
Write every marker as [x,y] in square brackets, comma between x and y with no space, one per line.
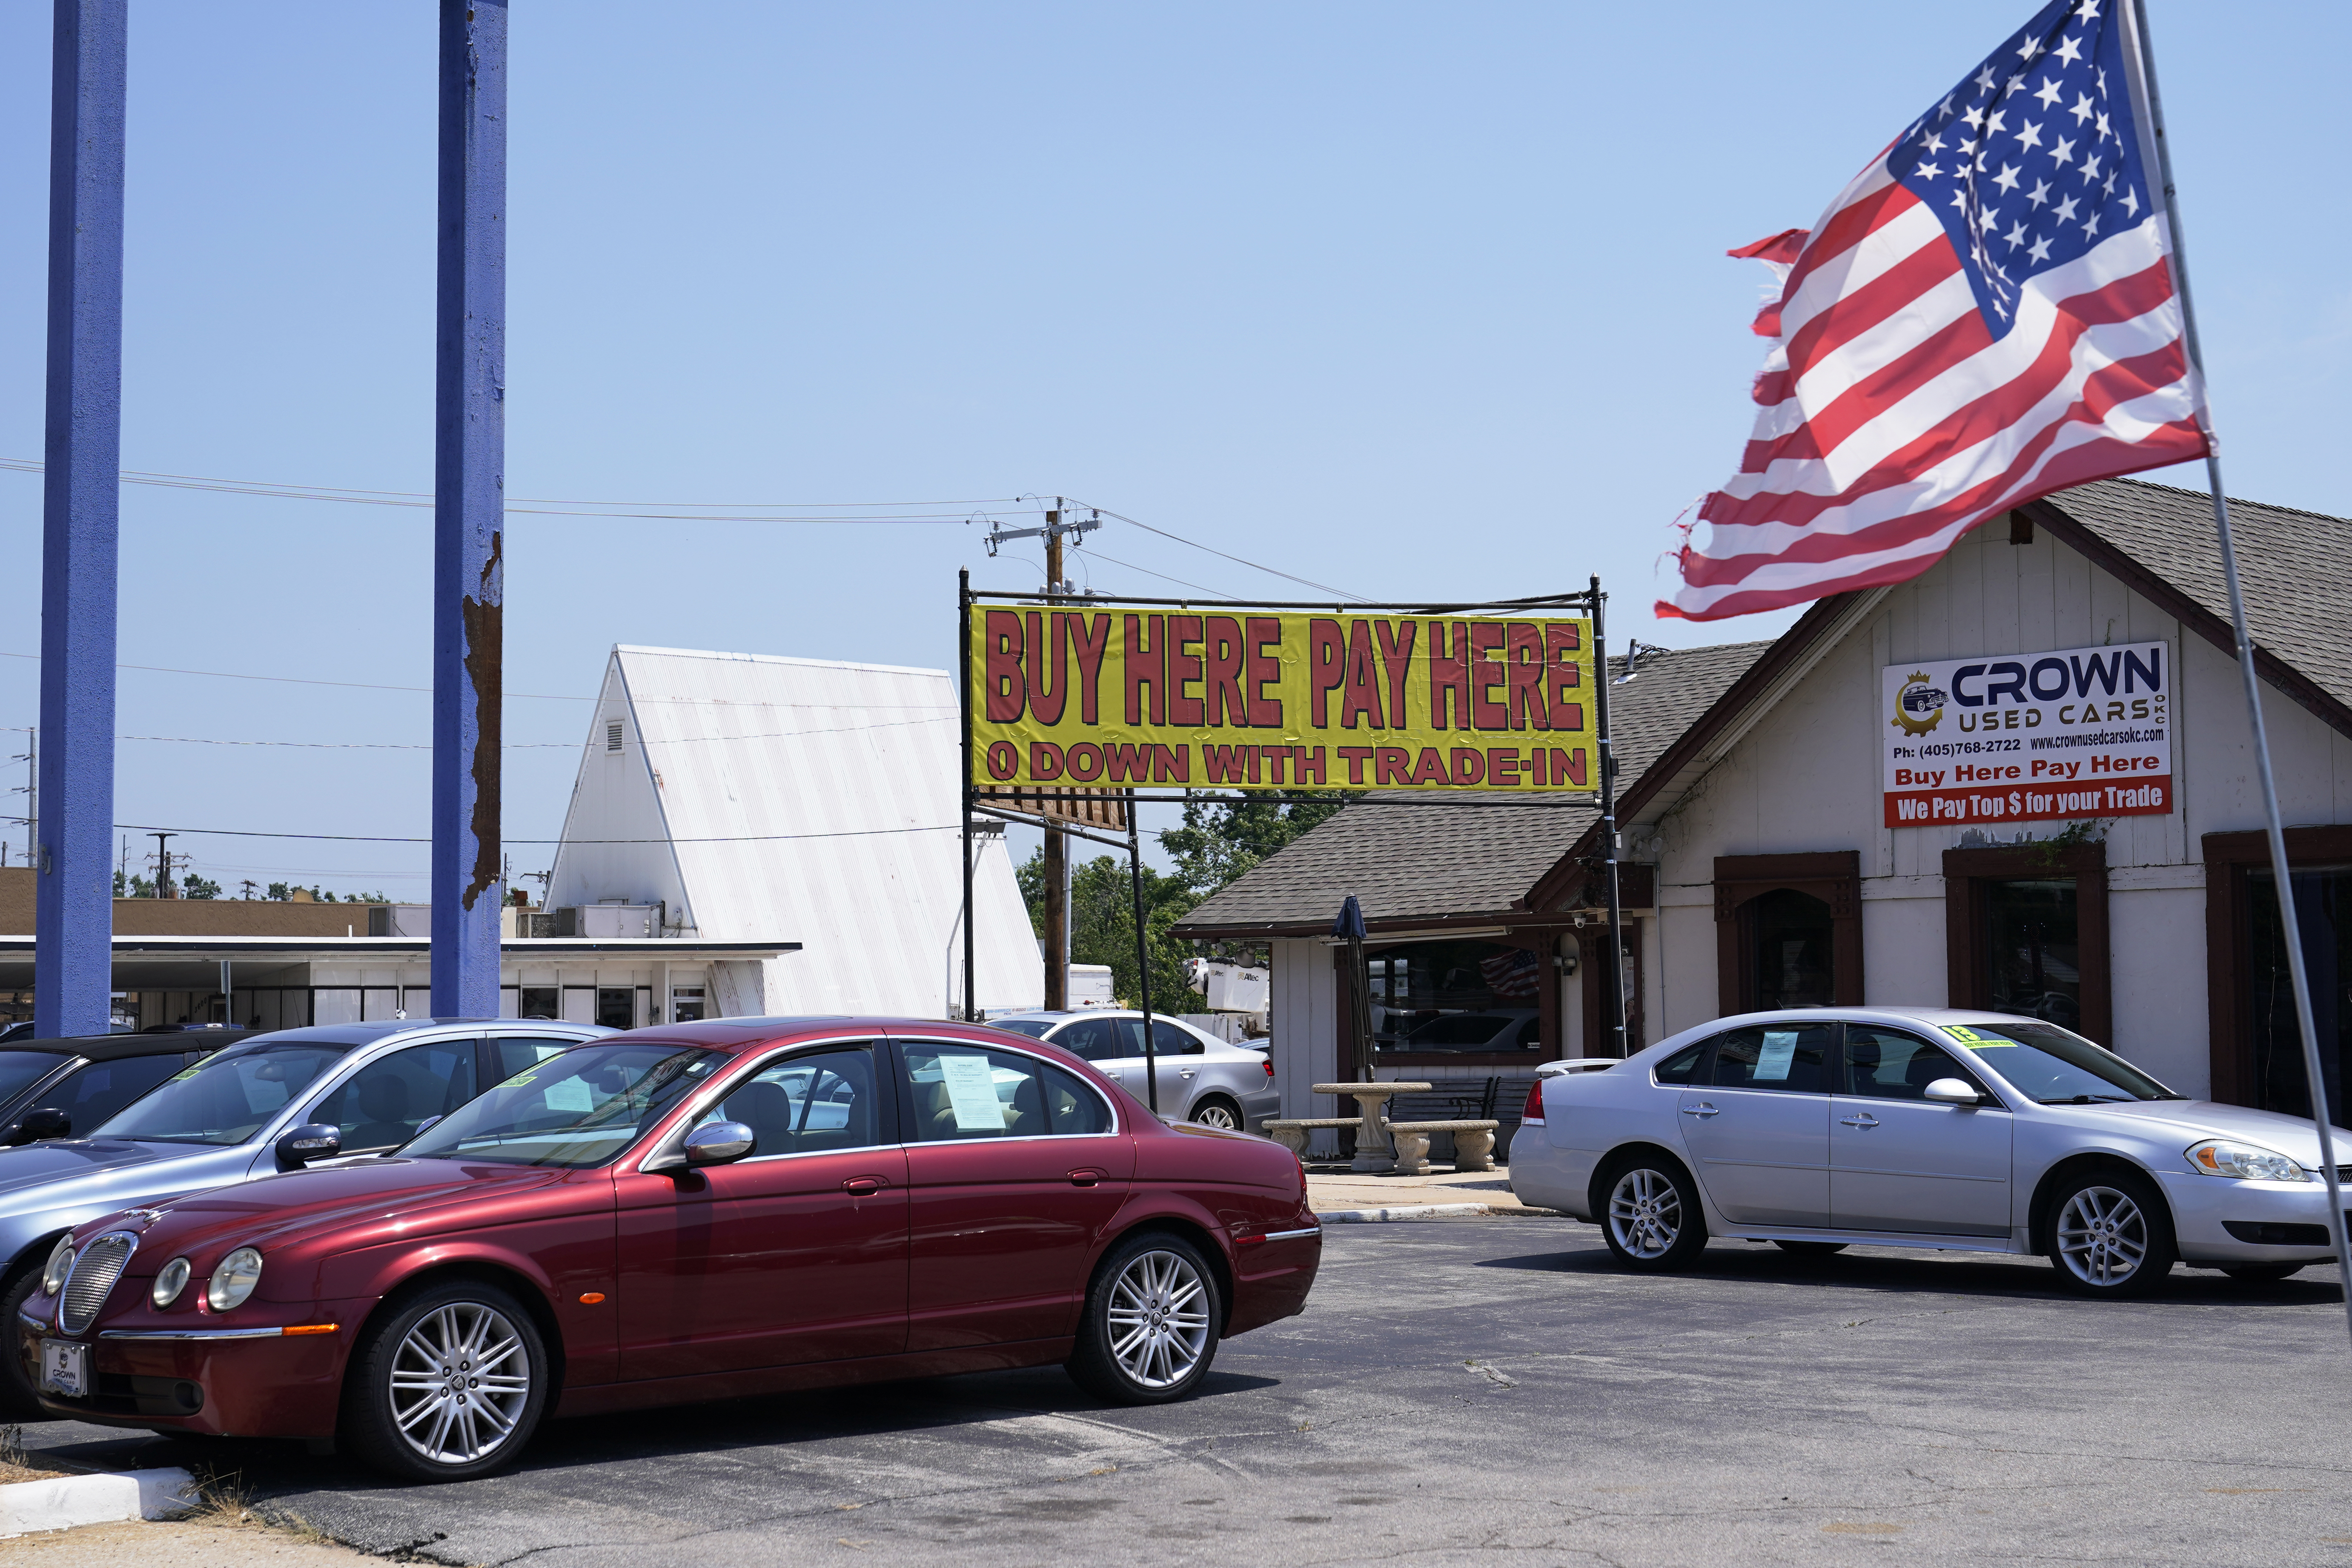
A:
[65,1368]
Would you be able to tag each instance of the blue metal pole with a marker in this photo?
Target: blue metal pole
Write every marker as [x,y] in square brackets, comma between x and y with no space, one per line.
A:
[468,500]
[73,919]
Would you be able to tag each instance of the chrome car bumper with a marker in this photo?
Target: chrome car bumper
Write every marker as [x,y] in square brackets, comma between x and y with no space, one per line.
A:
[2217,1220]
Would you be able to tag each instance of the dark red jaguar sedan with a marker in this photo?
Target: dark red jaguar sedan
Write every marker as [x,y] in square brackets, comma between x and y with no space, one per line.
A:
[698,1212]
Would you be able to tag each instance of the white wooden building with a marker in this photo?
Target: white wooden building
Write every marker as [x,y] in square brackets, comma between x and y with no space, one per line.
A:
[736,797]
[1762,869]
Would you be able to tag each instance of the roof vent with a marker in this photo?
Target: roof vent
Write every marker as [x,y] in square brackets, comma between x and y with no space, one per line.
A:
[613,735]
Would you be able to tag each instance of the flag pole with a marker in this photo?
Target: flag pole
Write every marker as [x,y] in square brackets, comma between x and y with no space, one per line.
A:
[2144,55]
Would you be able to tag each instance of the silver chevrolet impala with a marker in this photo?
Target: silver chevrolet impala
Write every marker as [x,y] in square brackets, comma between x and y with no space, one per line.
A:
[1823,1128]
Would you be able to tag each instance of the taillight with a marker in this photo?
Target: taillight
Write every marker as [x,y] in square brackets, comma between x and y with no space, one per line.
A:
[1268,1065]
[1534,1112]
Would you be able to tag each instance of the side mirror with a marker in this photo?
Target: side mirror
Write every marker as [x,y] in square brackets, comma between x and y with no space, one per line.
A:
[45,1121]
[311,1141]
[1952,1092]
[719,1143]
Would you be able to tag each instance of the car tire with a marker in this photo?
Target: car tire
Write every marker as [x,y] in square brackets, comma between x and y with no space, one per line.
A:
[459,1333]
[20,1400]
[1151,1326]
[1650,1214]
[1216,1110]
[2110,1235]
[2263,1273]
[1811,1248]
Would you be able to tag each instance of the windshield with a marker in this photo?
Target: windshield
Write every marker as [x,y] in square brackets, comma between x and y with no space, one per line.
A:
[1035,1029]
[19,1070]
[575,1110]
[2055,1066]
[228,1097]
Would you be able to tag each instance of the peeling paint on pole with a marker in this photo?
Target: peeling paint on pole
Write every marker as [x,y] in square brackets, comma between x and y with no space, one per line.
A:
[469,500]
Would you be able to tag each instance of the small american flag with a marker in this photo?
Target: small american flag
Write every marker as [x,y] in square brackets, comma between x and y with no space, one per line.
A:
[1986,314]
[1511,975]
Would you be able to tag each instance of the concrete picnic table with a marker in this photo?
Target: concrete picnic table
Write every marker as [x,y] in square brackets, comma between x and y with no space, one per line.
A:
[1373,1151]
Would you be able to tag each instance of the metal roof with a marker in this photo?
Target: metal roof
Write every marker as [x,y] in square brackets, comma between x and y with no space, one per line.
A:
[812,800]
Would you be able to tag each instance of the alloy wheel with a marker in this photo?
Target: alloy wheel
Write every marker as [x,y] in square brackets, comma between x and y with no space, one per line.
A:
[1159,1311]
[1218,1114]
[2101,1236]
[459,1383]
[1646,1213]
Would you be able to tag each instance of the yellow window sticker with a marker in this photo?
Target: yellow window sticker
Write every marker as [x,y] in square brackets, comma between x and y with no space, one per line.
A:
[1975,1041]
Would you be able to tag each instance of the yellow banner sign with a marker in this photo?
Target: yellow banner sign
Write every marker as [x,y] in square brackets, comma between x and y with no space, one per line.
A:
[1109,695]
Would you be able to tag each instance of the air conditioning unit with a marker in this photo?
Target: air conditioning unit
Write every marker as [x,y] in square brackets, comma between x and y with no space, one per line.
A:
[611,922]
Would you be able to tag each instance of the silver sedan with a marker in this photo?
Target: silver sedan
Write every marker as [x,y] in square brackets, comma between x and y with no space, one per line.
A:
[1201,1078]
[1820,1128]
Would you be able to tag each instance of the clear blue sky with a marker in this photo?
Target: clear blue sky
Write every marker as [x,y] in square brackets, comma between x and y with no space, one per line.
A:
[1409,300]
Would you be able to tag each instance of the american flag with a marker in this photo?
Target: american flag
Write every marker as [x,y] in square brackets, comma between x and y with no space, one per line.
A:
[1986,314]
[1511,975]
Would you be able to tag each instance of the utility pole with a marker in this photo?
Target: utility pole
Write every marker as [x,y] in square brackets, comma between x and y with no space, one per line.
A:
[73,917]
[31,790]
[468,508]
[1057,844]
[164,888]
[247,887]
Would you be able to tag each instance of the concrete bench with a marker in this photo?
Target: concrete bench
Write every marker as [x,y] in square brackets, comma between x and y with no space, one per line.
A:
[1474,1144]
[1293,1135]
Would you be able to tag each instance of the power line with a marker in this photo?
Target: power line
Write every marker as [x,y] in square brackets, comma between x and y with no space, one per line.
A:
[1238,561]
[535,696]
[388,839]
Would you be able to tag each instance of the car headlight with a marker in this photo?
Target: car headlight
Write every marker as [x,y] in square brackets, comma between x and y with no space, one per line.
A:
[61,1262]
[233,1280]
[2246,1161]
[171,1282]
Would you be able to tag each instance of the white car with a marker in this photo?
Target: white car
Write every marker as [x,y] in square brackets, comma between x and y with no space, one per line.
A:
[1821,1128]
[1201,1077]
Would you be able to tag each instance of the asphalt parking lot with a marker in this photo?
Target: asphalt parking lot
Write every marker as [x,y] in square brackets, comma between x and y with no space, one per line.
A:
[1463,1389]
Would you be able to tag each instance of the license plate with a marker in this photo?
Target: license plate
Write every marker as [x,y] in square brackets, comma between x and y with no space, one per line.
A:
[65,1368]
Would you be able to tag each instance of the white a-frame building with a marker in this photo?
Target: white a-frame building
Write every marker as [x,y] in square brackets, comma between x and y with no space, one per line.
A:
[729,795]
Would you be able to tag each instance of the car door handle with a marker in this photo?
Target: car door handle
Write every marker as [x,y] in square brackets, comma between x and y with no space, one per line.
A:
[1701,1108]
[1864,1119]
[863,1186]
[1086,1177]
[1186,1072]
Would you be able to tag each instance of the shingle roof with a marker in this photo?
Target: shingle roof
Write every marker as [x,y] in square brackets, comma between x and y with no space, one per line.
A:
[2296,566]
[1410,862]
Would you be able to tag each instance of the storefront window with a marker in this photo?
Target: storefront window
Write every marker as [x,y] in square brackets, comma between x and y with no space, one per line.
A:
[2323,909]
[1793,954]
[1454,997]
[2031,947]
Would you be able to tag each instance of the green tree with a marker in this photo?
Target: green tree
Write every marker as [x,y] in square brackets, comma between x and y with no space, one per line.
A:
[194,886]
[1102,923]
[280,893]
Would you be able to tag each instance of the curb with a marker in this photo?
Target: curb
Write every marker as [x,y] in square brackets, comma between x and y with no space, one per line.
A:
[69,1501]
[1431,1211]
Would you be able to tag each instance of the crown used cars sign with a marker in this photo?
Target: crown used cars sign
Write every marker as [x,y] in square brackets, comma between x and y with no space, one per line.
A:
[2077,733]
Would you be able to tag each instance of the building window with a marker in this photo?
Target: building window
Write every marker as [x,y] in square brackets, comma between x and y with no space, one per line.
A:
[541,1002]
[1456,998]
[2323,915]
[686,1003]
[617,1006]
[2026,932]
[2032,950]
[1796,964]
[1788,931]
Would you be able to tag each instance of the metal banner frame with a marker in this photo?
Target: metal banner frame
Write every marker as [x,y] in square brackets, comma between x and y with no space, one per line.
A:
[1590,600]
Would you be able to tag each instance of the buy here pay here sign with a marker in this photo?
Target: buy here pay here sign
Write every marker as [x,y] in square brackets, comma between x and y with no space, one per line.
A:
[2078,733]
